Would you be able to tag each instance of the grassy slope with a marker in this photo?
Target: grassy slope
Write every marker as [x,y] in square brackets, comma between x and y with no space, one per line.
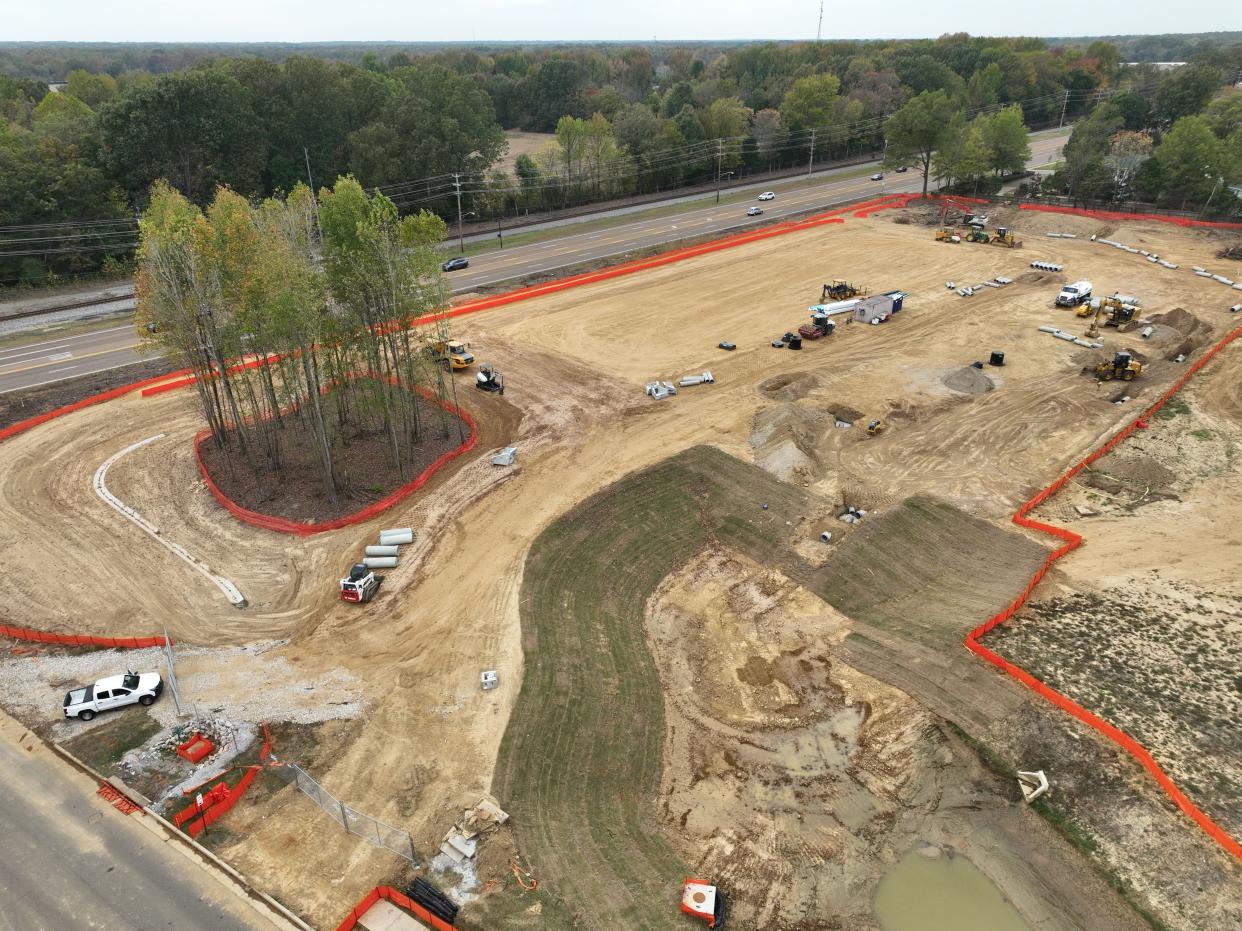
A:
[579,767]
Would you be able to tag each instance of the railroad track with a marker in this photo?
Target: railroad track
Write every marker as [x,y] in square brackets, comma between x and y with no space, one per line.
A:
[74,305]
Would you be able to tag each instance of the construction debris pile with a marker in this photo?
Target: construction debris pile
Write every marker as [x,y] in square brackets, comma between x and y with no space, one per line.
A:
[461,842]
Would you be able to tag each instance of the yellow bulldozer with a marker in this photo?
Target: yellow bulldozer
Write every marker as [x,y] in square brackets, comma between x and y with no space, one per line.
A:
[1123,367]
[875,428]
[1005,237]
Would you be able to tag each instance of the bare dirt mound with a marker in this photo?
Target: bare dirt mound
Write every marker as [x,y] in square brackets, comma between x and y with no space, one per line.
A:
[785,439]
[1192,333]
[790,386]
[968,380]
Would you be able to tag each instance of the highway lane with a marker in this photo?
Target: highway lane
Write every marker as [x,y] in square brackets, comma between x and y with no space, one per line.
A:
[71,860]
[68,357]
[570,249]
[27,365]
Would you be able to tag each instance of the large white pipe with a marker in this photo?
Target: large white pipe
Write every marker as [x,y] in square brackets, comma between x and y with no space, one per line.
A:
[383,550]
[398,535]
[380,562]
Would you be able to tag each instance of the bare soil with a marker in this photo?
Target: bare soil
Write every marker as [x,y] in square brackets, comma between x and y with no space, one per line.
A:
[426,744]
[363,459]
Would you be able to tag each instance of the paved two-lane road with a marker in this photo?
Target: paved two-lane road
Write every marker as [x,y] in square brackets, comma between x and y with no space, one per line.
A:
[69,860]
[53,360]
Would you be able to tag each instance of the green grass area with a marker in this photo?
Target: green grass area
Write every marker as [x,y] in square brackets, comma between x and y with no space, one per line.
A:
[927,571]
[102,747]
[579,766]
[1173,409]
[518,238]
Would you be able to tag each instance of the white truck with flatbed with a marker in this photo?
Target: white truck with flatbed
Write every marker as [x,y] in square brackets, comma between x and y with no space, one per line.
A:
[113,692]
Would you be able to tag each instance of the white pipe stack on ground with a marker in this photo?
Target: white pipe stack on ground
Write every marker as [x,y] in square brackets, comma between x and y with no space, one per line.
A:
[395,536]
[383,550]
[380,562]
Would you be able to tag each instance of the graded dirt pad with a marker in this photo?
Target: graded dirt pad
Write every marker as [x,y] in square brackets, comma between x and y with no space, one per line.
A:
[424,745]
[363,460]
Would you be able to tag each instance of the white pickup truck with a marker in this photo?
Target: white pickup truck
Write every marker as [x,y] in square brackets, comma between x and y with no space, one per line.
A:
[113,692]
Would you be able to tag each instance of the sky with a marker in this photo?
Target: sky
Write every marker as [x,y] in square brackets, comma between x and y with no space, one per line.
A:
[618,20]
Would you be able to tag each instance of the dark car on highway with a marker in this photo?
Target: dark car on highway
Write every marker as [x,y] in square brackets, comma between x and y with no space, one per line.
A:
[453,265]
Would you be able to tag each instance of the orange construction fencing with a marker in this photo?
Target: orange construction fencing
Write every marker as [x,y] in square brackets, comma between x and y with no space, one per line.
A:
[1071,542]
[397,898]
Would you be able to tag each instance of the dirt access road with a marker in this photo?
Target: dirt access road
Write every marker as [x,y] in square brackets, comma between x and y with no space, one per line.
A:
[575,364]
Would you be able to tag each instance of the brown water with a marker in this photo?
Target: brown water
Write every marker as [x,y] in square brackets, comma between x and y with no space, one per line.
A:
[942,894]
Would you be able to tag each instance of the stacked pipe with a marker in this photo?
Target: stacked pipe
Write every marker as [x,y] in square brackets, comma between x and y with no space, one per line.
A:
[432,899]
[1048,266]
[384,555]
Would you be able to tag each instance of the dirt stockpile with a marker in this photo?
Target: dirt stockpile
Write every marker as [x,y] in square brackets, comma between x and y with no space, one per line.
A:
[968,380]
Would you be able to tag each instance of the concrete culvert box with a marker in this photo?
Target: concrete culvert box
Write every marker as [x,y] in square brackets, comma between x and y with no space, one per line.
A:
[383,550]
[398,535]
[380,562]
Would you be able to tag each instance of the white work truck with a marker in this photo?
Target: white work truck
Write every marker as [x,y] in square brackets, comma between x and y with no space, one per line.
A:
[1074,294]
[113,692]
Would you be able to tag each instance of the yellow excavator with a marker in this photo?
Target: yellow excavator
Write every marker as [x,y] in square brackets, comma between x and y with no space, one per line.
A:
[1115,310]
[1123,367]
[875,428]
[1004,237]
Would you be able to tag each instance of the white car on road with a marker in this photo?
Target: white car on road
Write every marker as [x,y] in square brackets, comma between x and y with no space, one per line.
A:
[113,692]
[878,176]
[767,195]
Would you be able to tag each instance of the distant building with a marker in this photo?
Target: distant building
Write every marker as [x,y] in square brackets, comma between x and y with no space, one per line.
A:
[57,86]
[1158,65]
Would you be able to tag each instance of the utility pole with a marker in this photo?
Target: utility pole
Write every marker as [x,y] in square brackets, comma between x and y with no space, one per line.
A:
[461,242]
[1064,105]
[314,196]
[499,233]
[719,157]
[811,158]
[819,30]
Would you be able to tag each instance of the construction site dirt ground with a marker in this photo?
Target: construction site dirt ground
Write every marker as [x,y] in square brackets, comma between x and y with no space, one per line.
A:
[423,742]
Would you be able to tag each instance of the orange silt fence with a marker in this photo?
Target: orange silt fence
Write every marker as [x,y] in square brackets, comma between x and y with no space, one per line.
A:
[1070,542]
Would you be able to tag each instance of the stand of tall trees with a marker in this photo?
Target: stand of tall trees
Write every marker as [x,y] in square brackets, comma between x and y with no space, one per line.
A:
[297,318]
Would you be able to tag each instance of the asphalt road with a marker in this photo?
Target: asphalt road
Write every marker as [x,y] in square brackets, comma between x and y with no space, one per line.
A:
[56,359]
[27,365]
[71,860]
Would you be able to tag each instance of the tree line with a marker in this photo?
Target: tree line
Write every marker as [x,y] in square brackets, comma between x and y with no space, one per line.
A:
[1176,145]
[425,124]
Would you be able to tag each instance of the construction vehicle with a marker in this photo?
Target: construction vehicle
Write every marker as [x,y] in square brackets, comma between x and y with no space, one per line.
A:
[1004,237]
[1123,367]
[1074,294]
[451,354]
[703,900]
[361,584]
[947,234]
[489,379]
[875,428]
[978,235]
[820,325]
[838,290]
